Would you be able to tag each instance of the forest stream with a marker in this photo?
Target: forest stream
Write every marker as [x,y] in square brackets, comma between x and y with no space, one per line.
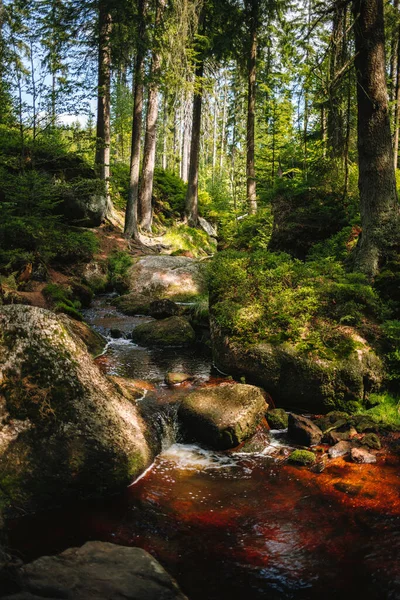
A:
[238,524]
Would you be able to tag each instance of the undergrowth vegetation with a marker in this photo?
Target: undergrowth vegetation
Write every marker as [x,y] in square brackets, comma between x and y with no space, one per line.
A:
[267,296]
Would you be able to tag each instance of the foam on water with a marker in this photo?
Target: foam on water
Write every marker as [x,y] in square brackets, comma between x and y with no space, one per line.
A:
[196,458]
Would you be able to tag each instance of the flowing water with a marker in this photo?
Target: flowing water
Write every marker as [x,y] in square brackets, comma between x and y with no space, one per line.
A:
[241,524]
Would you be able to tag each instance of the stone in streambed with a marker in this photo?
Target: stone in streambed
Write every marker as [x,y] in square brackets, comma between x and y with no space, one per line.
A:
[302,457]
[277,418]
[359,455]
[303,431]
[372,441]
[175,331]
[97,571]
[177,378]
[223,417]
[162,309]
[344,434]
[342,448]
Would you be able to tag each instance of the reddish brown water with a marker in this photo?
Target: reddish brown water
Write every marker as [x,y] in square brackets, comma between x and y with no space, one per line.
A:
[242,525]
[249,528]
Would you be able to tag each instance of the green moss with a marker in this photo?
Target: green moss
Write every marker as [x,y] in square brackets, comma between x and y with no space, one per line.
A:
[302,457]
[268,297]
[118,267]
[66,309]
[277,418]
[62,301]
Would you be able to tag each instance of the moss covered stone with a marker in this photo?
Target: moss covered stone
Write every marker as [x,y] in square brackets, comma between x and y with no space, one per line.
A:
[222,417]
[175,331]
[66,429]
[277,418]
[372,441]
[293,379]
[302,457]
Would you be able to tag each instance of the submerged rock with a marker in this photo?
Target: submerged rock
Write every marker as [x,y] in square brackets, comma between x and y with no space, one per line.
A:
[161,277]
[66,430]
[277,418]
[97,571]
[303,431]
[223,417]
[177,378]
[359,455]
[175,331]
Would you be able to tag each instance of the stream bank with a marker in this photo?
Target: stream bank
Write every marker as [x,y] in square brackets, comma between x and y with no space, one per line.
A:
[237,523]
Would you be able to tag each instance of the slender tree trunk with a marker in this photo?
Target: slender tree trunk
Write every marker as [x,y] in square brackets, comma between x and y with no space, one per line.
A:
[377,184]
[223,129]
[149,153]
[347,137]
[103,136]
[191,206]
[131,216]
[335,114]
[394,44]
[251,111]
[397,109]
[186,139]
[165,124]
[214,152]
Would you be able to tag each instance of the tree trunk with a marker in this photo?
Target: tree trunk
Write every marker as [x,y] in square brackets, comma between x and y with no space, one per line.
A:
[335,113]
[186,138]
[131,216]
[251,112]
[397,109]
[377,184]
[149,153]
[191,205]
[103,138]
[165,125]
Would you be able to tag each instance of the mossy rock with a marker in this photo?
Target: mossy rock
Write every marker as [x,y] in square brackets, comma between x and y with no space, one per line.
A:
[93,341]
[222,417]
[70,431]
[314,384]
[372,441]
[302,457]
[133,304]
[364,424]
[277,418]
[175,331]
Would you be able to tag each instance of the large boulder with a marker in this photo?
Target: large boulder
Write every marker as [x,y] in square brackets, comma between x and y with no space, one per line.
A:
[295,380]
[96,571]
[152,278]
[222,417]
[66,430]
[85,205]
[175,331]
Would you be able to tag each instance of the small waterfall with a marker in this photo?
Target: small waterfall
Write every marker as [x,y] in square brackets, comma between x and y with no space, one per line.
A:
[167,426]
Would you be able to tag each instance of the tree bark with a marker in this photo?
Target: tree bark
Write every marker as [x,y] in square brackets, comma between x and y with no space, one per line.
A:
[251,111]
[335,113]
[191,205]
[149,153]
[397,109]
[103,136]
[131,216]
[377,184]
